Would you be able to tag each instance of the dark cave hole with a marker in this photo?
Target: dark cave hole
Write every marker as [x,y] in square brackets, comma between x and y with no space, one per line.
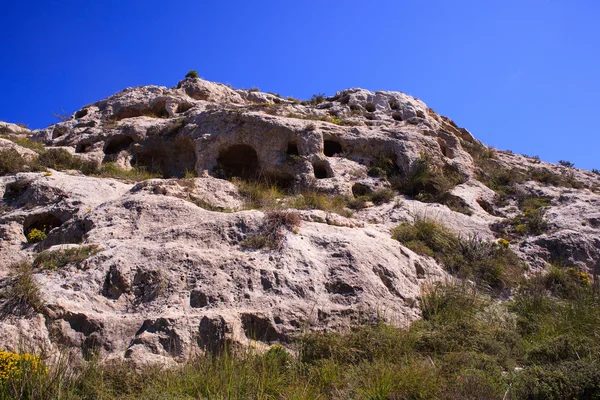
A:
[169,158]
[44,222]
[117,144]
[358,190]
[321,170]
[331,148]
[239,160]
[292,149]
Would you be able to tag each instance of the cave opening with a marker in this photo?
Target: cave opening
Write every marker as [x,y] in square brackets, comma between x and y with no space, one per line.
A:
[332,148]
[240,161]
[117,144]
[44,222]
[168,158]
[321,170]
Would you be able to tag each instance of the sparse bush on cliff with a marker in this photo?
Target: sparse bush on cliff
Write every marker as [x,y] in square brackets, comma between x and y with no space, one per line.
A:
[431,184]
[272,232]
[59,258]
[22,295]
[192,73]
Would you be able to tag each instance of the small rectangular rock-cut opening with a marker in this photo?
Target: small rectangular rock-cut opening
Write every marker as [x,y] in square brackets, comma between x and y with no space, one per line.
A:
[321,170]
[332,148]
[292,149]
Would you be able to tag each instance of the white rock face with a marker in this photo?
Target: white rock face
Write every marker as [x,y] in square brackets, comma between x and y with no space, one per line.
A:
[172,277]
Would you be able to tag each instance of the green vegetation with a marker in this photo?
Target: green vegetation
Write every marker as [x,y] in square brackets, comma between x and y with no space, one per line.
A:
[111,170]
[192,73]
[542,344]
[567,164]
[22,295]
[432,184]
[59,258]
[26,142]
[36,235]
[264,195]
[321,201]
[259,194]
[489,264]
[378,197]
[530,221]
[11,162]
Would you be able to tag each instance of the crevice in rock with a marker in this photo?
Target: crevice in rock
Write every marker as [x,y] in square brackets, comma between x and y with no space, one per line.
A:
[183,107]
[444,148]
[397,116]
[199,299]
[115,284]
[370,107]
[339,287]
[81,113]
[292,149]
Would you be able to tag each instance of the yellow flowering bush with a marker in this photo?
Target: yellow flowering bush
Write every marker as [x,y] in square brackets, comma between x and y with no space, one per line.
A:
[504,243]
[36,235]
[580,276]
[14,365]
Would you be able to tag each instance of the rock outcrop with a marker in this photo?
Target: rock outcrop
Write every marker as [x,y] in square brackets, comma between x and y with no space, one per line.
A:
[171,275]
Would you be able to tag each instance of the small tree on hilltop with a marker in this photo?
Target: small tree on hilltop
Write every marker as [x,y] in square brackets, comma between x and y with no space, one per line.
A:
[192,73]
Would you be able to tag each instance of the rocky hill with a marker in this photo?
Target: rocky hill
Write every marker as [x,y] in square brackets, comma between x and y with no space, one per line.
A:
[160,222]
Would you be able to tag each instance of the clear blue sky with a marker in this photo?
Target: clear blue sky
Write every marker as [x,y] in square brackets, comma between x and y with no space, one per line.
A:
[519,74]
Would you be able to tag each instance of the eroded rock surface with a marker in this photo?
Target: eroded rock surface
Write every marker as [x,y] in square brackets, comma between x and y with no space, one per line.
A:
[172,276]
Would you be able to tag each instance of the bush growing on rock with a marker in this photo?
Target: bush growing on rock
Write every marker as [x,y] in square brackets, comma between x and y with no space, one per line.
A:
[59,258]
[272,233]
[11,162]
[192,73]
[22,295]
[431,184]
[36,235]
[488,263]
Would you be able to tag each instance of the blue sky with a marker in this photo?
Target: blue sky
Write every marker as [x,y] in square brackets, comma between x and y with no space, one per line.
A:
[520,75]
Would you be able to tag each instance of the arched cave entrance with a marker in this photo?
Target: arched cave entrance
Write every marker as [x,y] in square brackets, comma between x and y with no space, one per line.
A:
[117,144]
[168,158]
[239,160]
[321,170]
[331,148]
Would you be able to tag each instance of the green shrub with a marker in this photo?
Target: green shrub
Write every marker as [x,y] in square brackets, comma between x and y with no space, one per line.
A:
[431,184]
[567,164]
[22,295]
[26,142]
[382,196]
[192,73]
[488,263]
[320,201]
[11,162]
[61,159]
[259,194]
[112,170]
[59,258]
[36,235]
